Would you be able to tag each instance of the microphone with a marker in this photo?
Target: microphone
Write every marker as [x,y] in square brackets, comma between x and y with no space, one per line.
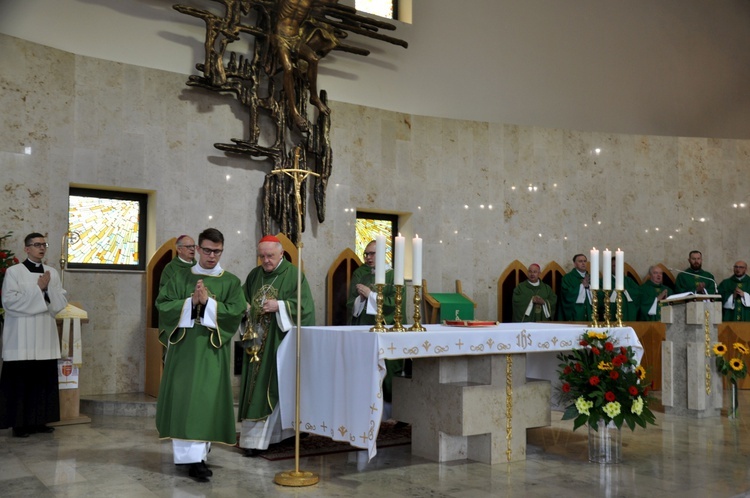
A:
[716,286]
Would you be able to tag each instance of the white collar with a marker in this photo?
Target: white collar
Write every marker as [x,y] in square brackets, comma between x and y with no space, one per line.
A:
[197,269]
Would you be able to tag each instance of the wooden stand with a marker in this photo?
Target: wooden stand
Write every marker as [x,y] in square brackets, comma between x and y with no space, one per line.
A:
[70,400]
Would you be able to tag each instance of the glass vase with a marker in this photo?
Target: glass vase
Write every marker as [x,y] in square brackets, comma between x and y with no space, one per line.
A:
[605,443]
[734,401]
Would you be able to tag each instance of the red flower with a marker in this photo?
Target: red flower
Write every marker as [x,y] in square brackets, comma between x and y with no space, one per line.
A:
[583,343]
[608,346]
[15,261]
[645,391]
[594,380]
[595,351]
[609,396]
[3,254]
[614,374]
[578,367]
[617,361]
[623,350]
[634,391]
[567,370]
[566,388]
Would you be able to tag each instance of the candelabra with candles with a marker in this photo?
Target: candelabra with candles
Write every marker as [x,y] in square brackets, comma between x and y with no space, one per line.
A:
[594,308]
[619,308]
[397,326]
[606,308]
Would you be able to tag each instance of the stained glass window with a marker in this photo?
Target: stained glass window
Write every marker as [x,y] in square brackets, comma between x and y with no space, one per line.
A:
[371,224]
[107,229]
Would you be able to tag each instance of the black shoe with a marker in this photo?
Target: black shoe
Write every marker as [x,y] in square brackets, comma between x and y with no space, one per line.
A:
[20,432]
[253,452]
[43,429]
[199,472]
[209,471]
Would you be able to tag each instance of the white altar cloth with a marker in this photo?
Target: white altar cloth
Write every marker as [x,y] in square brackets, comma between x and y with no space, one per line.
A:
[342,367]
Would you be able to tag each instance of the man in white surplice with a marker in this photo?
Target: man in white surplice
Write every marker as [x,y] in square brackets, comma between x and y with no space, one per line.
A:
[32,296]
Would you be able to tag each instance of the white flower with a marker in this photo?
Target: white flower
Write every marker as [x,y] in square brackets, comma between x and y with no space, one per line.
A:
[583,406]
[637,407]
[612,409]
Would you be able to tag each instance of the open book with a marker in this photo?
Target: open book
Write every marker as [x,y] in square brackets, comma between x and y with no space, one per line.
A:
[686,296]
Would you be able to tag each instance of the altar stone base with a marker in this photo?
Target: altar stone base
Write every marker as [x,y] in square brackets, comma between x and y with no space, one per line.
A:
[686,370]
[457,407]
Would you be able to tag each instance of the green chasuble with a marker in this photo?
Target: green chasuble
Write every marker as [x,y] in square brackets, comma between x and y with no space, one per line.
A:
[195,396]
[173,267]
[259,388]
[649,292]
[570,311]
[738,312]
[522,296]
[689,280]
[629,307]
[366,275]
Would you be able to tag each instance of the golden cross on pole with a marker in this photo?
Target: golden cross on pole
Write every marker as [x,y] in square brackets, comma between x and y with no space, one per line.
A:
[297,477]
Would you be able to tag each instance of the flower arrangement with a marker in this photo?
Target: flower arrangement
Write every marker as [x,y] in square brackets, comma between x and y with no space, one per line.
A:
[732,368]
[603,382]
[7,259]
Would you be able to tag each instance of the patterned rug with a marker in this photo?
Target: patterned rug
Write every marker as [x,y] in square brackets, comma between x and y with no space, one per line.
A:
[313,445]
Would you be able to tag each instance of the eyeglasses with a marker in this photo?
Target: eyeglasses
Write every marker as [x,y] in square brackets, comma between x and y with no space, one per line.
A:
[192,248]
[208,251]
[38,244]
[371,253]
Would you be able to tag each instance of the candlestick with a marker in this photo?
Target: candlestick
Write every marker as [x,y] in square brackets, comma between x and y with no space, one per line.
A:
[619,308]
[379,321]
[607,297]
[398,261]
[416,274]
[594,309]
[397,326]
[619,270]
[417,327]
[380,259]
[594,260]
[607,269]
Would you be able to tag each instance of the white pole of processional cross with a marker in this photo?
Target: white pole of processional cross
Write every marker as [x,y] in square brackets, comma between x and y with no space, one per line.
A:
[297,477]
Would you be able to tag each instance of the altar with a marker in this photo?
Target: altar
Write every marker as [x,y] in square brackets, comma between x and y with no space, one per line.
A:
[342,369]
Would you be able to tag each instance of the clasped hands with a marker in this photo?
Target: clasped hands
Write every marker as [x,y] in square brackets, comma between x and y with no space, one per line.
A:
[43,281]
[363,290]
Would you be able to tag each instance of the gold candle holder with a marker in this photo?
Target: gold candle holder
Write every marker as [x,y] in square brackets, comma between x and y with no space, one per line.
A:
[397,326]
[417,327]
[619,308]
[594,308]
[379,327]
[607,294]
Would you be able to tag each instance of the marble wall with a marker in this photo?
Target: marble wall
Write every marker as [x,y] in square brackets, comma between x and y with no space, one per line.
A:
[479,194]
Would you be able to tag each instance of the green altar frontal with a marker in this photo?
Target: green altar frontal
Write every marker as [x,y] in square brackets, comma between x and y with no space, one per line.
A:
[454,307]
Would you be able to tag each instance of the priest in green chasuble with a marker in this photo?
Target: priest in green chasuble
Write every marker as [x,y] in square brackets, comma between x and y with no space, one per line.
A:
[362,307]
[533,300]
[653,291]
[735,299]
[271,292]
[185,259]
[200,310]
[695,279]
[575,295]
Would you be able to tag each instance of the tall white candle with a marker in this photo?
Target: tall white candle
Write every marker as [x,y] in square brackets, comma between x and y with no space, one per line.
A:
[607,269]
[380,259]
[398,261]
[619,270]
[594,260]
[416,274]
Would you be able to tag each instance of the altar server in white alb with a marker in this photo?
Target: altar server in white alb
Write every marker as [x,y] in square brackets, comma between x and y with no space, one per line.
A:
[32,295]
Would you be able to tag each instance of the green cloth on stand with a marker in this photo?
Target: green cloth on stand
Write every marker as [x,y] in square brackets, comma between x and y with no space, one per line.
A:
[450,303]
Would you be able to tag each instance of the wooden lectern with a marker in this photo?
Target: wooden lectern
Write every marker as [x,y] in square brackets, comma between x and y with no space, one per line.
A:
[70,399]
[691,386]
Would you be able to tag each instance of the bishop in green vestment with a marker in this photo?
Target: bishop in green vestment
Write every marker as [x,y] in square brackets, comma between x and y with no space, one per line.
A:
[185,259]
[575,296]
[362,307]
[653,291]
[271,292]
[735,300]
[695,279]
[199,312]
[533,300]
